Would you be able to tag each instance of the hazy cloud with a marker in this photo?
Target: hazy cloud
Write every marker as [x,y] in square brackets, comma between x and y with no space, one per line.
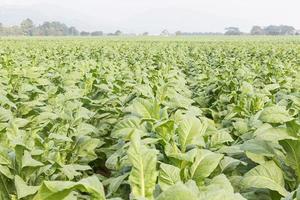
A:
[155,15]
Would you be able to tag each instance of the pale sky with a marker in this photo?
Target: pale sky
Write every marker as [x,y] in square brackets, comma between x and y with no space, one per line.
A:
[154,15]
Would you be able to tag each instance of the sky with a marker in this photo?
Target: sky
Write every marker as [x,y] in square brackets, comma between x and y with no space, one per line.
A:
[137,16]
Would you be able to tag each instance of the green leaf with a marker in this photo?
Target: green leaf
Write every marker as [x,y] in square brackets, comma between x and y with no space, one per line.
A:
[165,129]
[45,117]
[28,161]
[219,188]
[220,137]
[126,127]
[173,151]
[179,191]
[168,175]
[53,190]
[190,128]
[275,114]
[59,137]
[145,109]
[204,164]
[72,170]
[241,126]
[85,129]
[143,174]
[260,147]
[6,172]
[292,149]
[229,163]
[257,158]
[4,100]
[114,183]
[5,115]
[267,175]
[23,190]
[267,132]
[247,88]
[271,87]
[86,147]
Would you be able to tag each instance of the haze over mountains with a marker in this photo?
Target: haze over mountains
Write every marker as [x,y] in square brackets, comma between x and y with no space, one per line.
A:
[147,20]
[153,16]
[13,15]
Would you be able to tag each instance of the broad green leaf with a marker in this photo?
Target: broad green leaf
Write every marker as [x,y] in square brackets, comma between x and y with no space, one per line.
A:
[4,100]
[267,132]
[179,191]
[247,88]
[5,171]
[168,176]
[143,174]
[23,190]
[241,126]
[257,158]
[267,175]
[59,137]
[125,128]
[85,129]
[292,149]
[86,147]
[28,161]
[114,183]
[229,163]
[204,164]
[173,151]
[146,109]
[165,129]
[53,190]
[190,128]
[45,117]
[220,137]
[219,188]
[260,147]
[5,115]
[275,114]
[71,170]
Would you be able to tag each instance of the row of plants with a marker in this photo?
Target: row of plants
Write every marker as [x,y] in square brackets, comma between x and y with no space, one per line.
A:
[92,119]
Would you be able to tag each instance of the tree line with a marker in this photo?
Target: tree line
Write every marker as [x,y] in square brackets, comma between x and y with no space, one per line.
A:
[267,30]
[55,28]
[255,30]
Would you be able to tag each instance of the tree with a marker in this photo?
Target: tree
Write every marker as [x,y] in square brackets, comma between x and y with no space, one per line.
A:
[257,30]
[272,30]
[97,33]
[52,29]
[287,30]
[118,32]
[232,31]
[13,30]
[178,33]
[145,33]
[165,32]
[73,31]
[84,33]
[27,27]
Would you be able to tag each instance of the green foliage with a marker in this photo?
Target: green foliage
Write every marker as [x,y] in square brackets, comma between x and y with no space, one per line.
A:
[100,119]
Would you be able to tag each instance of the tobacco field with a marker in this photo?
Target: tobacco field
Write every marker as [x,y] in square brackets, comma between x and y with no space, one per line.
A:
[160,119]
